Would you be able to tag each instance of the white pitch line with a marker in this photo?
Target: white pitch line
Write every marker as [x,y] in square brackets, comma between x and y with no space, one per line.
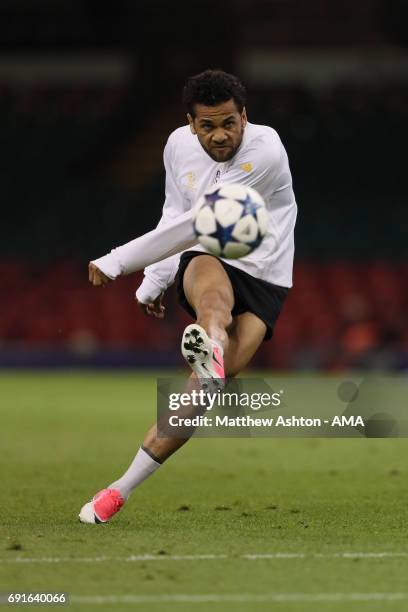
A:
[372,555]
[208,557]
[254,557]
[239,598]
[130,559]
[173,557]
[339,555]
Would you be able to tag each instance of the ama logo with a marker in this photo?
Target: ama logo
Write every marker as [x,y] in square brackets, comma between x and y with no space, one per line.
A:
[347,421]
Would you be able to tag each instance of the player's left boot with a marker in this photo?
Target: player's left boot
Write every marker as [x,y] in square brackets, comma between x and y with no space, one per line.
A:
[103,506]
[204,356]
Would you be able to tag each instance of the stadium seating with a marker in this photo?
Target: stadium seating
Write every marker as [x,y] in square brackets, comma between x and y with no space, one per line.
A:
[340,314]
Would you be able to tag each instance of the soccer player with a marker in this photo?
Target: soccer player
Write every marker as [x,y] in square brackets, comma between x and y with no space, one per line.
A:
[235,303]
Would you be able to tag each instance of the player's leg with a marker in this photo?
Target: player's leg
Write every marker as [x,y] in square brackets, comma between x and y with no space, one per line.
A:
[209,292]
[158,446]
[245,336]
[154,450]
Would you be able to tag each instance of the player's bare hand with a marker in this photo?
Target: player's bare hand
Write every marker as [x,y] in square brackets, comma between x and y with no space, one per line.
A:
[96,276]
[154,309]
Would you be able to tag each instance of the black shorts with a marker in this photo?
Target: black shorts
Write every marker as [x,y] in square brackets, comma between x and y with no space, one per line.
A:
[250,294]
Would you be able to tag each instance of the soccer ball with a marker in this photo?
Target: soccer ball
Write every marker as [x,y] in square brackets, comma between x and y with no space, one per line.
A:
[230,220]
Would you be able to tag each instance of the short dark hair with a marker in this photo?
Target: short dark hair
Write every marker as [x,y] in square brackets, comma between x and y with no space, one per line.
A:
[213,87]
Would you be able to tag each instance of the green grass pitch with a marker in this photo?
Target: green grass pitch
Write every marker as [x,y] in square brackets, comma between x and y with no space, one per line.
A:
[307,503]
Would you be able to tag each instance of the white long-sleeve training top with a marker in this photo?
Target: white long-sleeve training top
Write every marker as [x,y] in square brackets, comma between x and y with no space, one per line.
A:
[261,162]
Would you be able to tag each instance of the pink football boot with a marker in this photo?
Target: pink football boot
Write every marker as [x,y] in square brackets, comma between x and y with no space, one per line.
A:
[103,506]
[204,356]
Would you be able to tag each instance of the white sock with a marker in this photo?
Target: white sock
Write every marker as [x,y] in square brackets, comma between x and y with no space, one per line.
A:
[141,468]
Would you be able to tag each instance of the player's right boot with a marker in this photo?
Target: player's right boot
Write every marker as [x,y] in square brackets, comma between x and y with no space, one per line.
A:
[204,356]
[103,506]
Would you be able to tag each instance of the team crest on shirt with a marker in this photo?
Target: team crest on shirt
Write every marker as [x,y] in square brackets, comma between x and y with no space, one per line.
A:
[191,181]
[246,167]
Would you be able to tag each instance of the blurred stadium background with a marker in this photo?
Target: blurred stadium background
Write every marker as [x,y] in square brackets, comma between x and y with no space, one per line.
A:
[88,95]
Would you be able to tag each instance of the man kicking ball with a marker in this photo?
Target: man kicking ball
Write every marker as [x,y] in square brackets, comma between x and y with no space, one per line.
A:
[235,303]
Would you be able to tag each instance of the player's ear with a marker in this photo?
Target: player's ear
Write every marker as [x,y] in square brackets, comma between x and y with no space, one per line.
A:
[191,122]
[244,117]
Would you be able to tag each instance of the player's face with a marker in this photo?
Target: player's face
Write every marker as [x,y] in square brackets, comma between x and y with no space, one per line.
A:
[219,129]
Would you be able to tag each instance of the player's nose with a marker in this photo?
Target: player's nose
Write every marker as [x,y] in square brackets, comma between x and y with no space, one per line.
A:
[219,137]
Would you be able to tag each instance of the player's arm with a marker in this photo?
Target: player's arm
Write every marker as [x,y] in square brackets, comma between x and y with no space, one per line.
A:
[173,234]
[160,243]
[159,276]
